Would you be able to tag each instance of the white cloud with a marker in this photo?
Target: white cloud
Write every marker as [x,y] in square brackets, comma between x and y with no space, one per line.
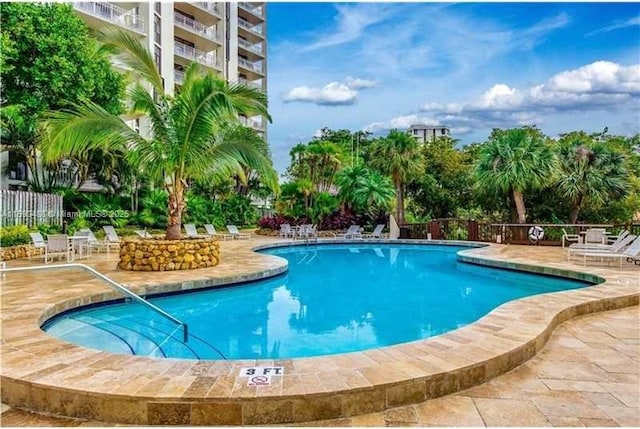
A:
[357,83]
[596,86]
[332,94]
[633,22]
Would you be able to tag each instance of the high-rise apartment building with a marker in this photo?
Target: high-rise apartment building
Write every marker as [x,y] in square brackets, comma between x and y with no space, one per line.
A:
[225,38]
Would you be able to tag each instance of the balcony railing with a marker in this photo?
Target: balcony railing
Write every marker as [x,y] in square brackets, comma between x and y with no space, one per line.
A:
[256,10]
[209,6]
[257,84]
[257,29]
[178,76]
[113,13]
[206,58]
[195,26]
[253,47]
[257,66]
[251,122]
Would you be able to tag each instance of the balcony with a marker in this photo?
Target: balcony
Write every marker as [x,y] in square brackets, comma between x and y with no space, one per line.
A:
[254,10]
[256,67]
[208,6]
[178,76]
[256,29]
[253,47]
[252,122]
[256,84]
[112,13]
[193,54]
[196,27]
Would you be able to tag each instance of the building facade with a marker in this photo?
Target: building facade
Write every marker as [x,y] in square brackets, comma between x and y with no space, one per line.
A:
[224,38]
[428,133]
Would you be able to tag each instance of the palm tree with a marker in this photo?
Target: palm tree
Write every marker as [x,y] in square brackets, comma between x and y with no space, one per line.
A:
[363,189]
[589,171]
[192,133]
[515,161]
[397,155]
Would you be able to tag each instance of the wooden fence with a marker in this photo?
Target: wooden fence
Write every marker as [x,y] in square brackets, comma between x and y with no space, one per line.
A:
[30,208]
[463,229]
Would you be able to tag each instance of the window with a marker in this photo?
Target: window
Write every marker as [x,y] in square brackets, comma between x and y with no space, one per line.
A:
[444,131]
[158,57]
[157,32]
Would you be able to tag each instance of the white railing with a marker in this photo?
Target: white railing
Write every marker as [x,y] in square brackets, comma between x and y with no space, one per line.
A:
[209,6]
[251,83]
[178,76]
[195,26]
[257,66]
[257,47]
[207,58]
[253,28]
[113,13]
[256,10]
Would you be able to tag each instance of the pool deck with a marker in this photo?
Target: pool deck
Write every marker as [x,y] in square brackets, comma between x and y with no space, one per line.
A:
[45,374]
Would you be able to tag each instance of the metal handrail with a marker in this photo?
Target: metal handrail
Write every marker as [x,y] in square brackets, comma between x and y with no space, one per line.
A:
[113,284]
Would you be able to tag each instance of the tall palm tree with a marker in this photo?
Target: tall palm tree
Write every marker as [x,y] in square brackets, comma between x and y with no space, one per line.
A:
[397,155]
[589,171]
[515,161]
[189,131]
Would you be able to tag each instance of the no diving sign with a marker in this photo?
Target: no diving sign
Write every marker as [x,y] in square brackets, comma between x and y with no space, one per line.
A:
[260,375]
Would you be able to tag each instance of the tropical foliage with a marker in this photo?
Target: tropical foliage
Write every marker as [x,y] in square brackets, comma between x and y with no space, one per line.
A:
[195,134]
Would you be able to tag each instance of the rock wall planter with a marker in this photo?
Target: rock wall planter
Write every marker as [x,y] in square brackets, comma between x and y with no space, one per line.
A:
[168,255]
[21,251]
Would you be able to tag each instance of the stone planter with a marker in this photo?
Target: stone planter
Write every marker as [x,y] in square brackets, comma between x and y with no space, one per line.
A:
[168,255]
[21,251]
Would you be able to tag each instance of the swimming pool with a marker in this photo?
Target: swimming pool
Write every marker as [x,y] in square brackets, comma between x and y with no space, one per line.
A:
[334,299]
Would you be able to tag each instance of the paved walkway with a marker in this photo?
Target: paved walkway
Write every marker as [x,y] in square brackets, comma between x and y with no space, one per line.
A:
[587,375]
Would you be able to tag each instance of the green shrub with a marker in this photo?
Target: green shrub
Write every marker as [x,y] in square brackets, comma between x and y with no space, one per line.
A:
[237,210]
[14,235]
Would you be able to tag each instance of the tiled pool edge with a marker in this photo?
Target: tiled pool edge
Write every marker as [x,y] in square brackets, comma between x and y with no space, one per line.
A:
[392,389]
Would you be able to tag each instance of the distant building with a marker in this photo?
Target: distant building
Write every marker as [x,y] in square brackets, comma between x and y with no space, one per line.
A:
[428,133]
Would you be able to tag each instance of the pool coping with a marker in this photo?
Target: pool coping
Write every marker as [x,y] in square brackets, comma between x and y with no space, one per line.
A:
[187,392]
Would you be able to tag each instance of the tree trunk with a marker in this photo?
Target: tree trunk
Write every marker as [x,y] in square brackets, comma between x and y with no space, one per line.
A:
[399,202]
[176,207]
[519,200]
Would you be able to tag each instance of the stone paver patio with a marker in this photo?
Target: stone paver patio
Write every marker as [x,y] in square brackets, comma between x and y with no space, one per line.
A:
[43,373]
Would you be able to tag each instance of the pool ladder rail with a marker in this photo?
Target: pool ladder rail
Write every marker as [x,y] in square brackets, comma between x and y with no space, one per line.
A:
[116,286]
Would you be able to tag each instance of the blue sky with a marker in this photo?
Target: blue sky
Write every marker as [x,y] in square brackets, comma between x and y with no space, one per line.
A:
[472,66]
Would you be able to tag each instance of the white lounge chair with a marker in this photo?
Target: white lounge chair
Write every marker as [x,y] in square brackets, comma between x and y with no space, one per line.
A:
[630,252]
[617,241]
[233,230]
[37,241]
[143,233]
[57,245]
[352,232]
[211,231]
[377,232]
[612,248]
[568,238]
[111,236]
[192,231]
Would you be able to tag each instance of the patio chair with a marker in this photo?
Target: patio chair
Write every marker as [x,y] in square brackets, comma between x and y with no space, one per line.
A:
[143,233]
[308,231]
[569,238]
[352,232]
[111,236]
[211,231]
[612,248]
[630,252]
[286,231]
[93,241]
[57,245]
[596,246]
[233,230]
[37,241]
[377,232]
[192,231]
[595,236]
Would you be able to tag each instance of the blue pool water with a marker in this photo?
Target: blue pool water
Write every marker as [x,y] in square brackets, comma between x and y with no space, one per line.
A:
[334,299]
